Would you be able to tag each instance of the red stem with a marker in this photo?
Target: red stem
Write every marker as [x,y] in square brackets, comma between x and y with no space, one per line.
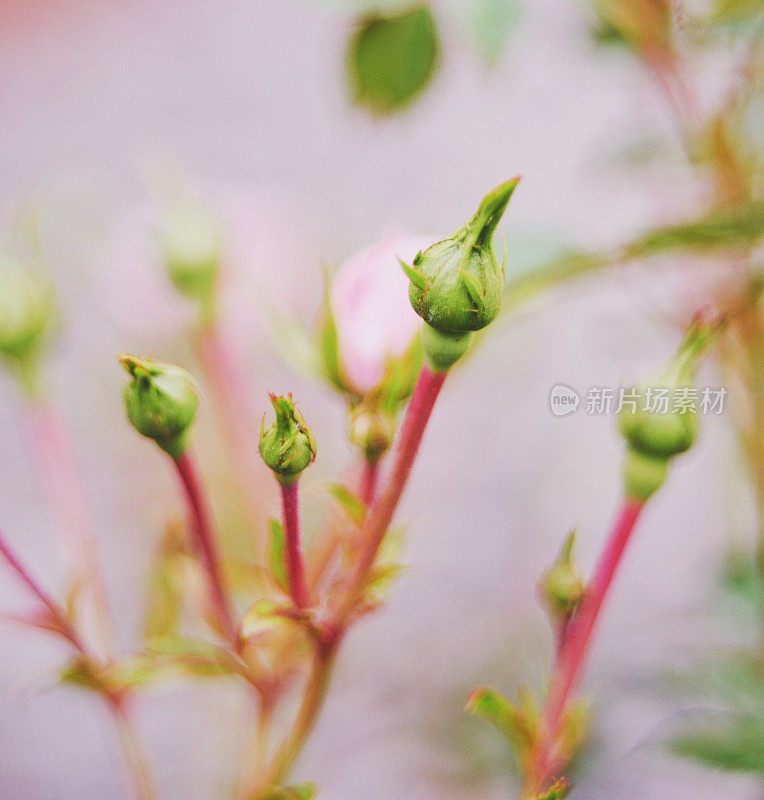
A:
[576,645]
[369,478]
[293,551]
[202,531]
[63,483]
[381,512]
[56,612]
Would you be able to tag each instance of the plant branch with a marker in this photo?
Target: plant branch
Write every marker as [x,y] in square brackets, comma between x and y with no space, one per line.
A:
[63,483]
[204,540]
[382,510]
[576,645]
[292,548]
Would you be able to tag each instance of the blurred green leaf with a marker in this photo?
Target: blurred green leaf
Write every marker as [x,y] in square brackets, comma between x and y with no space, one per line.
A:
[391,58]
[193,657]
[351,504]
[741,227]
[557,791]
[276,557]
[488,25]
[733,742]
[518,725]
[305,791]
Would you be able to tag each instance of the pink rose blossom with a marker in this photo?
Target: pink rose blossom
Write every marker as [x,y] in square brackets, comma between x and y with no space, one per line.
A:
[370,303]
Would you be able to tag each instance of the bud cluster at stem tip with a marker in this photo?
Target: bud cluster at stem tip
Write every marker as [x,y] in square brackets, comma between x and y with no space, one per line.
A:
[655,435]
[161,402]
[457,283]
[288,445]
[561,586]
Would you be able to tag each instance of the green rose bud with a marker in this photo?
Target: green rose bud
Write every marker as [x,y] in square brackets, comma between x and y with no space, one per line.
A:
[288,446]
[656,434]
[161,402]
[561,586]
[190,243]
[457,284]
[26,313]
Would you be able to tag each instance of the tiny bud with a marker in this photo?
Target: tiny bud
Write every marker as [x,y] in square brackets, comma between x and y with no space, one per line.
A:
[161,402]
[288,446]
[26,311]
[190,243]
[561,586]
[457,284]
[371,430]
[442,350]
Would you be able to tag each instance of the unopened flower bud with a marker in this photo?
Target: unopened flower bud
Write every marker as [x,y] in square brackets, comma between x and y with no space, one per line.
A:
[371,430]
[26,311]
[659,432]
[190,243]
[457,284]
[561,586]
[161,402]
[288,446]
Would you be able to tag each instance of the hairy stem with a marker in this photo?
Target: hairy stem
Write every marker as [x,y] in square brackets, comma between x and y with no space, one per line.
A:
[577,643]
[63,483]
[293,550]
[204,539]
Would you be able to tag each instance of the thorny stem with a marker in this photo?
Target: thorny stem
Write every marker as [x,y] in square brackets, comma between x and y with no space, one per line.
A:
[133,750]
[576,646]
[62,480]
[371,534]
[204,540]
[292,548]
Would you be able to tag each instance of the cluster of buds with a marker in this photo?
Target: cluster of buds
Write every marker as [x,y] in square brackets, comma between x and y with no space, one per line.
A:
[288,445]
[457,283]
[26,315]
[161,402]
[654,438]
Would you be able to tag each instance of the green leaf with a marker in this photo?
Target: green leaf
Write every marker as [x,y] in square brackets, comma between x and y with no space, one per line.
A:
[518,725]
[276,556]
[391,58]
[488,25]
[734,743]
[557,791]
[305,791]
[351,504]
[415,277]
[193,657]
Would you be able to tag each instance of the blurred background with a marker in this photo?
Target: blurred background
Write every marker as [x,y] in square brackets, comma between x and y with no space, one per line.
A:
[307,148]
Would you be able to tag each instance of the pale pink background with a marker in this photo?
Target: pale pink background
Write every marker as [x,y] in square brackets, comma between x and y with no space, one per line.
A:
[248,96]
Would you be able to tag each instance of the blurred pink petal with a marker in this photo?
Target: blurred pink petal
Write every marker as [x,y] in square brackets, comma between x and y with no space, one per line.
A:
[370,303]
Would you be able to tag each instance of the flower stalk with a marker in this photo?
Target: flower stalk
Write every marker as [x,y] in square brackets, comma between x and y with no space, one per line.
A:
[293,550]
[204,540]
[576,645]
[135,758]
